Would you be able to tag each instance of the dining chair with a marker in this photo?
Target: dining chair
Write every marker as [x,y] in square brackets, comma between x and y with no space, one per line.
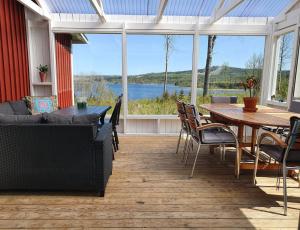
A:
[224,99]
[208,134]
[216,118]
[283,132]
[184,125]
[114,120]
[286,153]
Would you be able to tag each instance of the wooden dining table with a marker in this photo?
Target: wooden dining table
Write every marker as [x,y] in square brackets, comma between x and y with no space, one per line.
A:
[233,114]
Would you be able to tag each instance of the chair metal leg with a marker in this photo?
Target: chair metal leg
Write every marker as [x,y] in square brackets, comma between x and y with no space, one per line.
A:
[188,151]
[116,138]
[194,165]
[221,152]
[113,154]
[178,143]
[186,147]
[284,188]
[256,165]
[114,144]
[238,161]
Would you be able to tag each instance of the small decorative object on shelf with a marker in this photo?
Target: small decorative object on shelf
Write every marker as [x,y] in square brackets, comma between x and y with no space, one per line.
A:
[250,102]
[43,69]
[81,103]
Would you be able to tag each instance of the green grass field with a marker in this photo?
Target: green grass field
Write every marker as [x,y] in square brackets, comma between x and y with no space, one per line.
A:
[158,106]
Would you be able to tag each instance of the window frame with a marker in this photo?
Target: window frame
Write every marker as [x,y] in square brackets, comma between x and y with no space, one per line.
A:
[274,68]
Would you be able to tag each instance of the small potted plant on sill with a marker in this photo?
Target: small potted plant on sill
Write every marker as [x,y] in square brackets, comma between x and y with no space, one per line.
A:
[251,101]
[43,69]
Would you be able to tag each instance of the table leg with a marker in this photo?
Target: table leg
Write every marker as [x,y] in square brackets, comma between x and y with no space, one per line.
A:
[253,139]
[241,128]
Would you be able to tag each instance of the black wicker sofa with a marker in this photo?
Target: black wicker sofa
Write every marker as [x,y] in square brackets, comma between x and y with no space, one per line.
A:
[38,156]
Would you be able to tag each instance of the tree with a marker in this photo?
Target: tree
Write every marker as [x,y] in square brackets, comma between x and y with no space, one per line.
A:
[284,56]
[169,46]
[210,48]
[254,67]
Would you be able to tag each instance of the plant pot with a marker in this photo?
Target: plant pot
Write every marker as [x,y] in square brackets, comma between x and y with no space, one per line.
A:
[43,76]
[250,104]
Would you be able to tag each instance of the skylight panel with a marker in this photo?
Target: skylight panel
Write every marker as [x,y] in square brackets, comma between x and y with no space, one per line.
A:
[190,7]
[259,8]
[70,6]
[131,7]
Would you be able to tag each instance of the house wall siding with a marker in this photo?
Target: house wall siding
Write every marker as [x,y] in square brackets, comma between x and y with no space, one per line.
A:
[14,74]
[63,46]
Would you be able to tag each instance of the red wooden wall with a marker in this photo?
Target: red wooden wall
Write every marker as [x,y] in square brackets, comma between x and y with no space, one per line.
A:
[14,75]
[63,45]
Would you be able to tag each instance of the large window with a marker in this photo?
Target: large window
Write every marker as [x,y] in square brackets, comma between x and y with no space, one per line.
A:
[159,72]
[282,70]
[226,61]
[97,69]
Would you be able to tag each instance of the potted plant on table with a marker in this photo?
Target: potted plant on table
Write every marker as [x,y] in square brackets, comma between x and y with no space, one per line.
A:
[251,101]
[43,69]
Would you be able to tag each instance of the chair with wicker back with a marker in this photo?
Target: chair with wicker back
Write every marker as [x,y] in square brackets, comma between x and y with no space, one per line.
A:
[114,120]
[218,119]
[184,125]
[286,153]
[208,134]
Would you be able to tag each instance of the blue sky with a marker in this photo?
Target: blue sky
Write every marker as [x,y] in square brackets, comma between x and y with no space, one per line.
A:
[102,55]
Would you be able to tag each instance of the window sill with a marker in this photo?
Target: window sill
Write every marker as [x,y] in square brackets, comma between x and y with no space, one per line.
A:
[278,104]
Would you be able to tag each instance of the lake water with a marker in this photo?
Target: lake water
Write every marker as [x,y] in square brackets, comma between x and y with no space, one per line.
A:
[142,91]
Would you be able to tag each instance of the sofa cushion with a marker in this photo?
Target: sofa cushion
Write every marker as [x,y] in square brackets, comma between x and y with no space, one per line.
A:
[5,108]
[52,118]
[19,107]
[38,105]
[88,119]
[20,119]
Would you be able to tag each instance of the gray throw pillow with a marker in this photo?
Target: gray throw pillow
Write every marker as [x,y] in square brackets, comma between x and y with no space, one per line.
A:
[88,119]
[19,107]
[52,118]
[5,108]
[20,119]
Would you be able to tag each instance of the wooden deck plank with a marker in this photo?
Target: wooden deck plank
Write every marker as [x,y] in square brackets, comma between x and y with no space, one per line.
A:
[150,188]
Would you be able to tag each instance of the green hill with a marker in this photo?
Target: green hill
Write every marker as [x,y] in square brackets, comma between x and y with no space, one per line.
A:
[220,76]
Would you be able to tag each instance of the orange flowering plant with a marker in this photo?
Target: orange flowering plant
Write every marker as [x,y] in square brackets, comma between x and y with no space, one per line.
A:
[250,84]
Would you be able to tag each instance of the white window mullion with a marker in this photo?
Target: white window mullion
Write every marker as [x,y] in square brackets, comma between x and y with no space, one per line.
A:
[124,77]
[276,44]
[195,67]
[293,68]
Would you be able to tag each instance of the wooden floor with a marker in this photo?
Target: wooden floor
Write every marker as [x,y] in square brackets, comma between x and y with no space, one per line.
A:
[150,188]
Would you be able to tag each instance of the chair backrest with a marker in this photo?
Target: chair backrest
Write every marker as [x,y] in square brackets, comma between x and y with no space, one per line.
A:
[115,117]
[224,99]
[181,110]
[293,141]
[193,122]
[182,114]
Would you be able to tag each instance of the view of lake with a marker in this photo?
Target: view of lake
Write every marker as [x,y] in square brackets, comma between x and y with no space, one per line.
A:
[149,91]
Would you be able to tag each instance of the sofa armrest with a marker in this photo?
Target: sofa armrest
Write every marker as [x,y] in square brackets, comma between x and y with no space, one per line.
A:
[103,156]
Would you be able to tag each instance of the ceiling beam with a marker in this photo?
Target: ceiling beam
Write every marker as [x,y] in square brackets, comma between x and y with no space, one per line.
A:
[98,6]
[161,9]
[35,8]
[221,10]
[282,15]
[43,5]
